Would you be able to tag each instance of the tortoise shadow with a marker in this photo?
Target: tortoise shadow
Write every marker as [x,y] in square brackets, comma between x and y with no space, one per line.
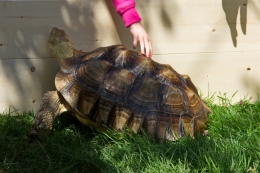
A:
[69,145]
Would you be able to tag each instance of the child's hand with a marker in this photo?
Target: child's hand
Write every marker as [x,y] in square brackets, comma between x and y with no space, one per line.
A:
[139,34]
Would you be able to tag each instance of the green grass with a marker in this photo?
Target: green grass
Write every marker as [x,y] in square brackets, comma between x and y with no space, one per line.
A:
[233,145]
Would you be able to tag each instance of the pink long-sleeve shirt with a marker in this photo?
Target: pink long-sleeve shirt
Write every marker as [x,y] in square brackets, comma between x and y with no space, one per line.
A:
[126,9]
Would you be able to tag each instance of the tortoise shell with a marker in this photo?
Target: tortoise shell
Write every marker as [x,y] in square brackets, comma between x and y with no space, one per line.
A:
[121,88]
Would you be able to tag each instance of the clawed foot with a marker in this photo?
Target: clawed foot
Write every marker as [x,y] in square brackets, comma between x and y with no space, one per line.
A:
[34,134]
[205,133]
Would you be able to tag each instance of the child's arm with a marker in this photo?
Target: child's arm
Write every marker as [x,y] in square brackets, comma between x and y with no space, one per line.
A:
[126,9]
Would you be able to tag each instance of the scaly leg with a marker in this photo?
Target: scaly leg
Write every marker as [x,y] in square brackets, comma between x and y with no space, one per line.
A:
[50,107]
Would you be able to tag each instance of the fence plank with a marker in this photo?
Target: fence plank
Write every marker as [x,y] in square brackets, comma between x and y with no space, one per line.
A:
[214,42]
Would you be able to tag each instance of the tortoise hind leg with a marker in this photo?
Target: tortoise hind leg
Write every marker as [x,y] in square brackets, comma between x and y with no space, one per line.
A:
[49,109]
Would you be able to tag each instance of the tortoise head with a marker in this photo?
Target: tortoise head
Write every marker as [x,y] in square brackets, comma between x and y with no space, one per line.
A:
[60,44]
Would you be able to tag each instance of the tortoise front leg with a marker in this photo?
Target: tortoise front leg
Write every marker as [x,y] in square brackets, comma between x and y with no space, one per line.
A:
[50,107]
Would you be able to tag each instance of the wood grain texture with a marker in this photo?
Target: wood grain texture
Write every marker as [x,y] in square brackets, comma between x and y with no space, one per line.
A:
[214,42]
[24,81]
[220,73]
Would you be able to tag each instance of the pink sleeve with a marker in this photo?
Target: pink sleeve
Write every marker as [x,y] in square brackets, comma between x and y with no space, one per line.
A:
[126,9]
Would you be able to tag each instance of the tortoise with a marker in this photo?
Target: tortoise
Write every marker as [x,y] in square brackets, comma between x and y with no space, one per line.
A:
[119,88]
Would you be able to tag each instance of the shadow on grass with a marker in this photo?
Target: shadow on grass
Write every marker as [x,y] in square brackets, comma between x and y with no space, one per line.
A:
[66,149]
[231,146]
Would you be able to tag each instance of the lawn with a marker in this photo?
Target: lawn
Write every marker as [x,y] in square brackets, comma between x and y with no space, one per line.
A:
[232,145]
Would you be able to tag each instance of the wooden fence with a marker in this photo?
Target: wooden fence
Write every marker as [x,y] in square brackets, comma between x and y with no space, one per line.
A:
[217,43]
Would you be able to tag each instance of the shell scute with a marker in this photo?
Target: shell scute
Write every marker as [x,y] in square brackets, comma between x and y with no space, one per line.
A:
[167,76]
[86,102]
[189,83]
[181,125]
[150,123]
[98,53]
[193,101]
[172,101]
[118,56]
[91,73]
[136,120]
[63,79]
[120,116]
[141,66]
[145,94]
[163,125]
[71,93]
[103,111]
[116,84]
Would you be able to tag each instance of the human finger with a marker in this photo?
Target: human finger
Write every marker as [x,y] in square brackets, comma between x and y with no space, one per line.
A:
[135,41]
[147,48]
[151,48]
[141,41]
